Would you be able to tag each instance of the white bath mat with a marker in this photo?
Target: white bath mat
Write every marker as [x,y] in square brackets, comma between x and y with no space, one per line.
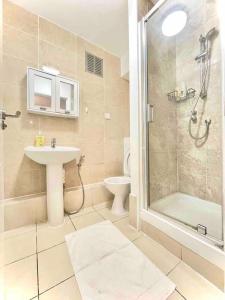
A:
[108,266]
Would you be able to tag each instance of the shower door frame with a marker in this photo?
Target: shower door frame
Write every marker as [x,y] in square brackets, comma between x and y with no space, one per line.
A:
[186,236]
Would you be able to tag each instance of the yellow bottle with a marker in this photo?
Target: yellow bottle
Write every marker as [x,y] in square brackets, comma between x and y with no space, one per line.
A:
[39,140]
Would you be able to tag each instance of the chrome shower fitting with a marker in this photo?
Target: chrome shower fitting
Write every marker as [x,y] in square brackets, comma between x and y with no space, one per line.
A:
[53,142]
[204,59]
[194,118]
[204,44]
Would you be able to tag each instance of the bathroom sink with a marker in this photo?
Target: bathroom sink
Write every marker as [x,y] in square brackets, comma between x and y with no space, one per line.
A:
[48,155]
[54,158]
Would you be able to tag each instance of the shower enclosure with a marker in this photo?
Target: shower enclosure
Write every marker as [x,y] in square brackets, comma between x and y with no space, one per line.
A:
[182,97]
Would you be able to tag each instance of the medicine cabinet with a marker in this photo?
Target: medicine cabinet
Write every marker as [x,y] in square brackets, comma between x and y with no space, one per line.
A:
[52,95]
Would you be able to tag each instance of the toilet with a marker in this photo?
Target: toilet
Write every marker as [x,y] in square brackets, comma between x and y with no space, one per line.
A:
[120,186]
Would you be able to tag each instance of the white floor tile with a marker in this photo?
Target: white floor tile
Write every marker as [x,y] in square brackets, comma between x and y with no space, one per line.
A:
[54,266]
[86,220]
[20,280]
[67,290]
[84,211]
[18,247]
[108,215]
[175,296]
[48,236]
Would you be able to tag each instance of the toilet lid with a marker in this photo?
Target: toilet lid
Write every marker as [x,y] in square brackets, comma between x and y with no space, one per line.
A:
[126,164]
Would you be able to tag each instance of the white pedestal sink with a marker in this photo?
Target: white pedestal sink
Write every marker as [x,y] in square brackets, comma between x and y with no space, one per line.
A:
[53,158]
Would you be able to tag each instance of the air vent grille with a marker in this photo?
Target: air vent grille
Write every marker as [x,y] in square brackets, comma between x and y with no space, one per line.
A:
[94,64]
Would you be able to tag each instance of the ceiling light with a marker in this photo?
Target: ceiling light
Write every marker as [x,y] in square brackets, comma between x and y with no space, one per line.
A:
[174,23]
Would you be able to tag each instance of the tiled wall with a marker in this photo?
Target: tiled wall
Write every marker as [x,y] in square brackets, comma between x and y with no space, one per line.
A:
[29,40]
[200,163]
[1,132]
[177,162]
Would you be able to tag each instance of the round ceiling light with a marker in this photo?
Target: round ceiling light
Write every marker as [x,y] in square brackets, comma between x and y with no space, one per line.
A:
[174,23]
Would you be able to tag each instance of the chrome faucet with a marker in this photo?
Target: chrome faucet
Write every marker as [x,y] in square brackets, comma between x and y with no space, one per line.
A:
[53,142]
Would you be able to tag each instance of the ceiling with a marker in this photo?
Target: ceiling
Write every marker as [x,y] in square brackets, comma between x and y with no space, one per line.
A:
[102,22]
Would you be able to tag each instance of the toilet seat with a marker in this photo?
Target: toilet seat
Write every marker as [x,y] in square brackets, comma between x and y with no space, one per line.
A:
[117,180]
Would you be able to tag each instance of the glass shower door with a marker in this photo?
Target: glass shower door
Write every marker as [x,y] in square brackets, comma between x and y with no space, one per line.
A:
[184,94]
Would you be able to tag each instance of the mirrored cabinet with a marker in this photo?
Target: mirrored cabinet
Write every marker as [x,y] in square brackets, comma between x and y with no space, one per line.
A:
[52,95]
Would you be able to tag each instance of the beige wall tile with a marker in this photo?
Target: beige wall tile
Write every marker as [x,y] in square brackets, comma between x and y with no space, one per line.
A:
[113,151]
[20,18]
[202,266]
[20,44]
[74,199]
[66,52]
[14,70]
[57,36]
[1,147]
[92,92]
[59,58]
[113,169]
[30,210]
[101,195]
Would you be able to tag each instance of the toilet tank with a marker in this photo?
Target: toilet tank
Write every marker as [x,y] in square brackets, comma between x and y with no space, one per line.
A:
[126,156]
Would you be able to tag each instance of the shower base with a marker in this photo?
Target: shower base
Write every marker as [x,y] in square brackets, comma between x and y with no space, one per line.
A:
[192,211]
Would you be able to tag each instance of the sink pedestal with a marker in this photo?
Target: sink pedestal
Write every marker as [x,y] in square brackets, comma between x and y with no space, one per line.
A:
[53,158]
[55,205]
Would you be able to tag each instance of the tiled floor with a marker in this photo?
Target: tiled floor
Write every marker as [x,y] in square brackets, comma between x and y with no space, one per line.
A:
[37,264]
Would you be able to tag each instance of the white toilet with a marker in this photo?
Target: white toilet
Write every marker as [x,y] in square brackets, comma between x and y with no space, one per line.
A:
[120,186]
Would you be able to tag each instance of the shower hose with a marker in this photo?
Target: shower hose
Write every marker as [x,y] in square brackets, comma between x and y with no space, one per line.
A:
[207,123]
[82,187]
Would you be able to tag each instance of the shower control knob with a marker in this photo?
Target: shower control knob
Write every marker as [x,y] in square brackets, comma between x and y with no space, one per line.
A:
[3,125]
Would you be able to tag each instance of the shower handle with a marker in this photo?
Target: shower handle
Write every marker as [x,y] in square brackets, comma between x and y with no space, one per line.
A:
[150,113]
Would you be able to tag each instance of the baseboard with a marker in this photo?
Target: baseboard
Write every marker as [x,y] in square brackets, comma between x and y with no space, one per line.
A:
[32,209]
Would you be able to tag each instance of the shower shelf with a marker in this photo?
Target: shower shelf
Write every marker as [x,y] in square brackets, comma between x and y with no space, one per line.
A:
[182,96]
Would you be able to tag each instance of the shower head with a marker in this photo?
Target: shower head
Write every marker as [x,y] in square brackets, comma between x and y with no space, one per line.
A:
[210,33]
